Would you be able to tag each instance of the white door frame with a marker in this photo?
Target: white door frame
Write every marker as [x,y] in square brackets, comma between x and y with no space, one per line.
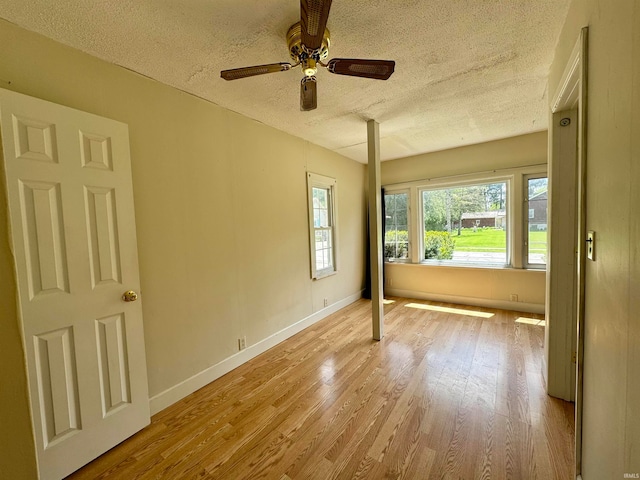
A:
[572,95]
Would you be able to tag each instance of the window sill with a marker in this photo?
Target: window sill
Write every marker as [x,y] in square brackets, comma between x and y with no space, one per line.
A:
[466,266]
[321,275]
[436,263]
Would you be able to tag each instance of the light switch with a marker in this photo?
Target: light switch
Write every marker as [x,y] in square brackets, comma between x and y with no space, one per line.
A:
[591,245]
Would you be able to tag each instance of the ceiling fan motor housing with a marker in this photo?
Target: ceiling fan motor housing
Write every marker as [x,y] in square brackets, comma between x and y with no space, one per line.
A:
[299,52]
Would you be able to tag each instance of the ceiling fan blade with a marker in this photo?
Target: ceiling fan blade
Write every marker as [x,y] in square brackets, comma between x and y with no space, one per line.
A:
[356,67]
[308,94]
[245,72]
[313,21]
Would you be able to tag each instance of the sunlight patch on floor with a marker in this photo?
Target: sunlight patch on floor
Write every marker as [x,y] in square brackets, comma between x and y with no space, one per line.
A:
[531,321]
[459,311]
[387,302]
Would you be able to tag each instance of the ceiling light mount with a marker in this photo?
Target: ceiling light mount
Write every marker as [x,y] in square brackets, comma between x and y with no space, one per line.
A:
[298,51]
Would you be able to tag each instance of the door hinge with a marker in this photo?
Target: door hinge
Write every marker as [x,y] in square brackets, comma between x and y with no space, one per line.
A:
[573,357]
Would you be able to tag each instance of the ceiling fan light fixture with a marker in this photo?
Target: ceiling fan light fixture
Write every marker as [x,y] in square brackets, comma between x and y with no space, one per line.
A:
[309,67]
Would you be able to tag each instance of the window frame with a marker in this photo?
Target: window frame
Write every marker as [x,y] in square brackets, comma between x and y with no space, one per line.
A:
[515,210]
[315,180]
[406,192]
[470,182]
[525,223]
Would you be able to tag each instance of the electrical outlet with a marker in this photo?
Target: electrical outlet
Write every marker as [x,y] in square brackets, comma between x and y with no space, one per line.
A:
[513,297]
[242,343]
[326,302]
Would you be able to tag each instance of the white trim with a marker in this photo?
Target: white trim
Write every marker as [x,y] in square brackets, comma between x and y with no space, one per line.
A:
[571,95]
[179,391]
[567,95]
[474,301]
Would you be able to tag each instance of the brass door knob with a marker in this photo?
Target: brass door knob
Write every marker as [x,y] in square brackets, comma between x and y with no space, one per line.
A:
[129,296]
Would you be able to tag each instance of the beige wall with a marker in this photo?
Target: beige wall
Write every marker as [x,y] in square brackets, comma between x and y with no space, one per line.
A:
[473,286]
[221,219]
[611,426]
[484,287]
[17,451]
[502,154]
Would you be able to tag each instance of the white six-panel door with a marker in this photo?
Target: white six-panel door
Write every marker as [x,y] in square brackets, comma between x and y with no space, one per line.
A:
[68,179]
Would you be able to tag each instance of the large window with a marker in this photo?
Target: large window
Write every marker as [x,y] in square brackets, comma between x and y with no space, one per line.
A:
[465,224]
[396,226]
[322,224]
[536,224]
[487,219]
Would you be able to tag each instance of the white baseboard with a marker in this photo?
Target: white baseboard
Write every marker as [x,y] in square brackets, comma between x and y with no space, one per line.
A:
[173,394]
[476,302]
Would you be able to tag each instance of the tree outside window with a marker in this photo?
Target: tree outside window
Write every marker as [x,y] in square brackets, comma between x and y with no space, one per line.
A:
[466,224]
[396,229]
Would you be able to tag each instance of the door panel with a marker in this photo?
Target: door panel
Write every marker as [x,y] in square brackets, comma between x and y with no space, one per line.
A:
[35,140]
[57,384]
[96,151]
[73,231]
[102,224]
[114,374]
[41,213]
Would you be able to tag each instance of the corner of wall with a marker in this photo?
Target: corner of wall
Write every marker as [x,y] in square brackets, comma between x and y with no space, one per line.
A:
[18,458]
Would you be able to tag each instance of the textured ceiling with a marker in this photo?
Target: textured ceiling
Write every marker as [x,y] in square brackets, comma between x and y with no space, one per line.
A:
[467,71]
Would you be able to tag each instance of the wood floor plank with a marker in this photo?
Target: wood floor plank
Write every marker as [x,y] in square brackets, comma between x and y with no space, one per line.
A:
[450,392]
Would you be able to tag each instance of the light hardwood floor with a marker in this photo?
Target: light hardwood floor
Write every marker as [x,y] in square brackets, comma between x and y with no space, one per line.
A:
[447,394]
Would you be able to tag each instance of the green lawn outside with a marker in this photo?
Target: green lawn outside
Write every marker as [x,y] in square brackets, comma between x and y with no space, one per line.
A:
[482,240]
[538,242]
[494,240]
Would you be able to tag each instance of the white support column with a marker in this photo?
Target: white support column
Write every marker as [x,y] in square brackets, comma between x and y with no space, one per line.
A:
[375,230]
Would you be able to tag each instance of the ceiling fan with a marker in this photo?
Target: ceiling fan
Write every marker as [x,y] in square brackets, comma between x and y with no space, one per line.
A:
[308,42]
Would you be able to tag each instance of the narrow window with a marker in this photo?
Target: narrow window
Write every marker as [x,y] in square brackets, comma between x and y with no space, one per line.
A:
[322,224]
[396,226]
[465,224]
[536,225]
